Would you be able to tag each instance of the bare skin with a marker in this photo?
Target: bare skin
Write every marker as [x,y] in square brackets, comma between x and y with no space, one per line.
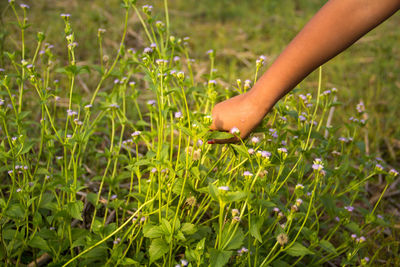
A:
[335,27]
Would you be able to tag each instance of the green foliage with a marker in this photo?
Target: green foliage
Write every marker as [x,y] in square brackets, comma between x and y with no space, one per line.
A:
[107,162]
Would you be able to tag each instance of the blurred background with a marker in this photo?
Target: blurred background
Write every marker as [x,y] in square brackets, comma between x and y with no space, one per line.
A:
[239,32]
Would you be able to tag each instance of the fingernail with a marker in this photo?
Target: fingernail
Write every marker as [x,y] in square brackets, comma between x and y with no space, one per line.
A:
[211,142]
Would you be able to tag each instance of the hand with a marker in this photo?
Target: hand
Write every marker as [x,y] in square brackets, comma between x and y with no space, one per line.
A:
[243,112]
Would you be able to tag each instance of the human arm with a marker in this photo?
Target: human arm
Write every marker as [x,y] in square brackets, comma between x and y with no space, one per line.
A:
[335,27]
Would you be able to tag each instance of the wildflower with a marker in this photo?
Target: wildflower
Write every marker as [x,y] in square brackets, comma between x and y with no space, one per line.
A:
[151,102]
[153,170]
[280,215]
[349,208]
[116,241]
[57,98]
[247,84]
[78,122]
[337,219]
[393,172]
[236,219]
[207,119]
[379,216]
[178,115]
[113,197]
[255,140]
[299,186]
[191,201]
[135,133]
[276,209]
[223,188]
[378,167]
[65,16]
[235,131]
[210,52]
[147,9]
[250,151]
[143,219]
[147,50]
[180,75]
[160,24]
[242,251]
[361,239]
[176,58]
[10,172]
[199,142]
[273,133]
[366,259]
[88,106]
[69,136]
[264,154]
[299,201]
[263,173]
[52,228]
[212,82]
[134,219]
[71,113]
[282,150]
[24,6]
[302,118]
[247,173]
[318,165]
[18,190]
[184,262]
[294,208]
[360,107]
[132,83]
[353,236]
[282,239]
[235,212]
[343,139]
[196,155]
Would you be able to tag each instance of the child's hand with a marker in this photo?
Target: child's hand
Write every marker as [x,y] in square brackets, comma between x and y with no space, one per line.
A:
[242,112]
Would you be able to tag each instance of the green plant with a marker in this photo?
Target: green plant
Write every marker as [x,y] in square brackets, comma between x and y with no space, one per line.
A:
[103,178]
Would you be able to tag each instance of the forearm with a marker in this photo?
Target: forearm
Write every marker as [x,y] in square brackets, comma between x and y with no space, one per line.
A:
[337,25]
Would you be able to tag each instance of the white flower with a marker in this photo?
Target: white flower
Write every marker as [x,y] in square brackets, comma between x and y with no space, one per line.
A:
[223,188]
[235,131]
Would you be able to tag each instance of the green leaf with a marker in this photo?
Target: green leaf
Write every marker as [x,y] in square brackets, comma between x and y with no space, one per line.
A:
[16,211]
[213,191]
[219,258]
[75,209]
[152,231]
[188,228]
[237,240]
[220,135]
[241,150]
[166,226]
[298,250]
[38,242]
[256,223]
[325,244]
[235,196]
[158,248]
[128,261]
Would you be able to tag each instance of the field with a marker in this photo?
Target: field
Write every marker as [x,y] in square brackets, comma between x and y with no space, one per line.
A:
[105,113]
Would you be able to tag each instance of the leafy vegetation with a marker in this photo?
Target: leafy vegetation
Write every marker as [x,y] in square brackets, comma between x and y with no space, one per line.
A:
[106,161]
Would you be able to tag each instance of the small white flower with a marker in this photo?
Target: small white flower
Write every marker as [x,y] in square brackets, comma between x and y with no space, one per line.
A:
[235,131]
[223,188]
